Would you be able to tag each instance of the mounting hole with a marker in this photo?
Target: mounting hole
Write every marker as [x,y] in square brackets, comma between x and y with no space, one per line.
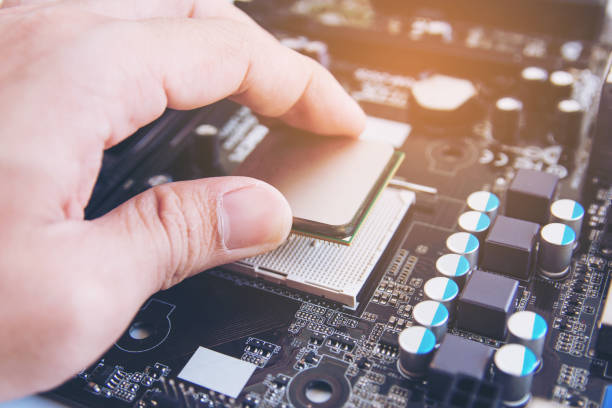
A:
[141,330]
[318,391]
[452,152]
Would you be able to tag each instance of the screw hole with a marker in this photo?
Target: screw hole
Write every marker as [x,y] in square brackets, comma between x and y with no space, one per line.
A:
[141,330]
[452,152]
[318,391]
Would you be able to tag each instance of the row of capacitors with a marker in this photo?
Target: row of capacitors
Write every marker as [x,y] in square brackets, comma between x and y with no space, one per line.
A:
[540,91]
[558,239]
[516,362]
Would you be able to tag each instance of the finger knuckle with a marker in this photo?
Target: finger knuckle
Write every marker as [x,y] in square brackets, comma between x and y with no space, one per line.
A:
[181,225]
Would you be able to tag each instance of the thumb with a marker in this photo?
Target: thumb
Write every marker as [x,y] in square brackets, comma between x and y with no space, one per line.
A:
[108,267]
[175,230]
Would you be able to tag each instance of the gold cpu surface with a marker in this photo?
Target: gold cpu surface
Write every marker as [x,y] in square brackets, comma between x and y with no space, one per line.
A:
[330,182]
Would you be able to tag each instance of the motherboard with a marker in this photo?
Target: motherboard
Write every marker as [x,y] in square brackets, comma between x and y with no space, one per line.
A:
[479,277]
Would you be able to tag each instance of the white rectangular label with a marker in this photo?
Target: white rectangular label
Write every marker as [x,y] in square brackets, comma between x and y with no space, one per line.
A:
[218,372]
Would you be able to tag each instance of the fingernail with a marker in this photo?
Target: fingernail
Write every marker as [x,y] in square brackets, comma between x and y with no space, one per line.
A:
[254,216]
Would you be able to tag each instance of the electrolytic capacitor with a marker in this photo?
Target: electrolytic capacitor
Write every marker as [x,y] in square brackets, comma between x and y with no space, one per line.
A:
[535,87]
[433,315]
[416,346]
[484,201]
[466,244]
[506,120]
[570,213]
[474,222]
[569,122]
[556,247]
[514,366]
[529,329]
[442,290]
[562,84]
[455,267]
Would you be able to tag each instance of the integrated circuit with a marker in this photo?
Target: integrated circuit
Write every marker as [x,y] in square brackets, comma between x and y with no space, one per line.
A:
[330,183]
[336,272]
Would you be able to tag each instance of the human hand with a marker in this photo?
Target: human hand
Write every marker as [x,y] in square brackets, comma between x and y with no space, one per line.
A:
[78,76]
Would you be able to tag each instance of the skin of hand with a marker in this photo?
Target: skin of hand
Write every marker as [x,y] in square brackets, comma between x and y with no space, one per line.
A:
[77,77]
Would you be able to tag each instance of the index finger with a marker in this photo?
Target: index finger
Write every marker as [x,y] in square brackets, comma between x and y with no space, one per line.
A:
[195,62]
[201,51]
[143,9]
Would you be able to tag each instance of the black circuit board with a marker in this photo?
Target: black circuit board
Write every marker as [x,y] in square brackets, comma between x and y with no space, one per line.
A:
[292,337]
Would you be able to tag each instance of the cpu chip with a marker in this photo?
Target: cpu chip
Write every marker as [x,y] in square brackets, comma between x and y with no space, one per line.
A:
[330,182]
